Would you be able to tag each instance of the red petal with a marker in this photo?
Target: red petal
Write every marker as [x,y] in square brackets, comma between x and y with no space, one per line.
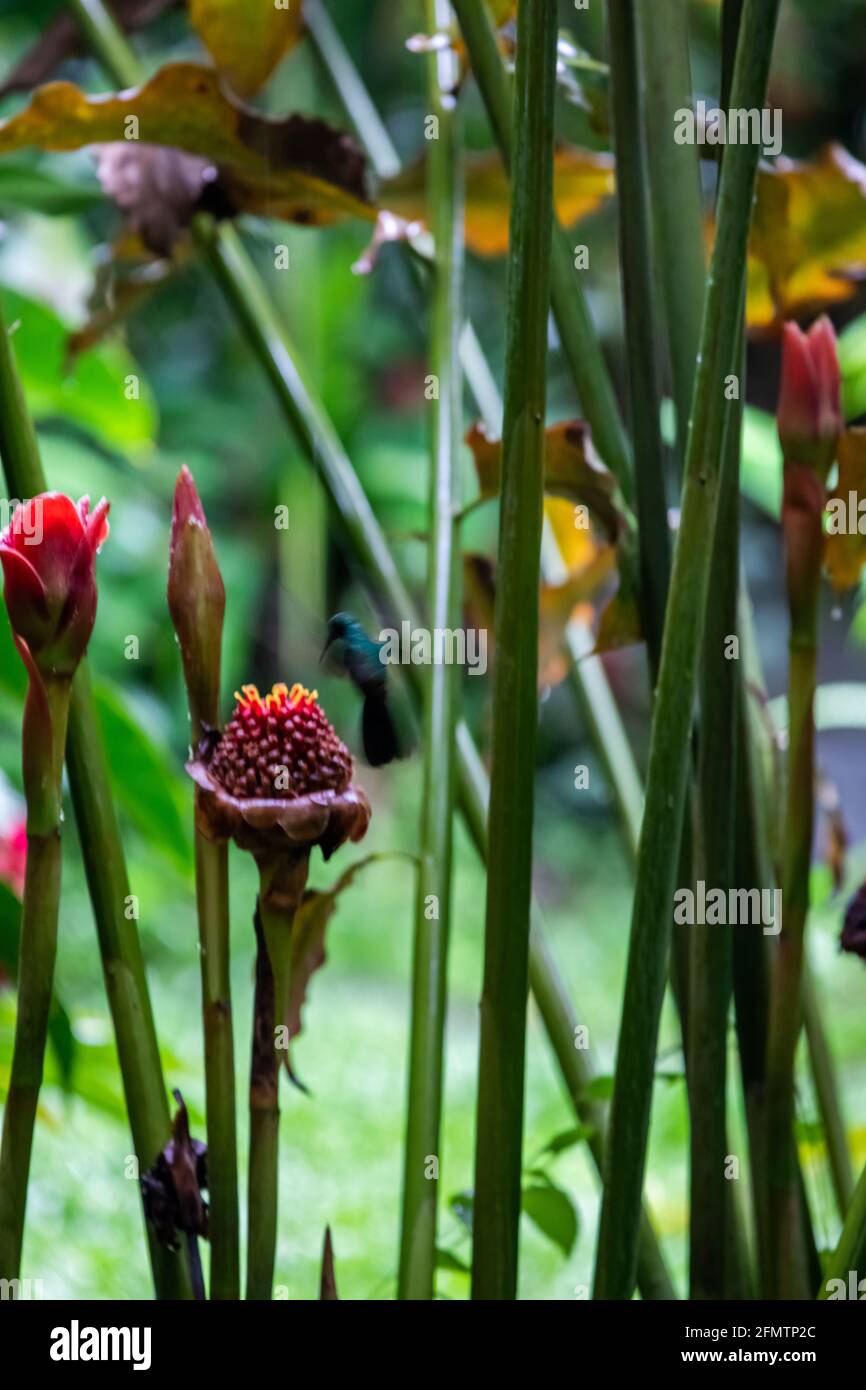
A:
[96,524]
[24,588]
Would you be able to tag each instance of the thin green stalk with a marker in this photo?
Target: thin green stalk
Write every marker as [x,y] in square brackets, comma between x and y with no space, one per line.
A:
[711,946]
[827,1091]
[123,966]
[433,900]
[262,1175]
[671,729]
[108,41]
[711,1272]
[499,1124]
[788,1271]
[573,320]
[353,94]
[676,183]
[38,951]
[641,337]
[850,1253]
[212,892]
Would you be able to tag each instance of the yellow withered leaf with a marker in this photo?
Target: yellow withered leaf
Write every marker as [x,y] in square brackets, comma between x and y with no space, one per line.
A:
[246,38]
[844,543]
[582,180]
[571,471]
[807,247]
[296,168]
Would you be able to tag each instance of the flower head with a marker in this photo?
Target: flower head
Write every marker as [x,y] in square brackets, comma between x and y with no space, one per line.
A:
[809,414]
[278,776]
[48,554]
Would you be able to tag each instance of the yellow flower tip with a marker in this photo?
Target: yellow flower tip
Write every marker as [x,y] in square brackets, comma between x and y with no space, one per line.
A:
[279,696]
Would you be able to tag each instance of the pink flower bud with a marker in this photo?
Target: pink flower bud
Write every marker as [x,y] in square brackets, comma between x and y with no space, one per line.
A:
[809,415]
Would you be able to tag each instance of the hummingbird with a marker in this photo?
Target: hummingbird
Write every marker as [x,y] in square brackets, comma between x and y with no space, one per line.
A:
[361,659]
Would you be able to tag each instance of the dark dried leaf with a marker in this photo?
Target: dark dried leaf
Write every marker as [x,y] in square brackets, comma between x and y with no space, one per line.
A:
[172,1188]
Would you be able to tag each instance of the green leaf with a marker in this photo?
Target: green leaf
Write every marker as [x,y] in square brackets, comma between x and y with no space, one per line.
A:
[600,1088]
[446,1260]
[568,1138]
[91,391]
[32,189]
[553,1212]
[146,785]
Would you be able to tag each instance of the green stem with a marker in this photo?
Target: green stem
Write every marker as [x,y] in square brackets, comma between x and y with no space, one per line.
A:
[353,94]
[433,902]
[46,712]
[212,887]
[850,1253]
[827,1092]
[676,183]
[671,730]
[711,946]
[787,1254]
[120,949]
[108,41]
[499,1125]
[641,336]
[579,340]
[264,1131]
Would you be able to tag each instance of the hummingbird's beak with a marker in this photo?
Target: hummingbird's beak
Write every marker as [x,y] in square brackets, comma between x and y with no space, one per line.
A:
[325,649]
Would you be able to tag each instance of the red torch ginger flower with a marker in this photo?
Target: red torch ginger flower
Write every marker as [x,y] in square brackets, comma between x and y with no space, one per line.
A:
[810,413]
[48,554]
[278,777]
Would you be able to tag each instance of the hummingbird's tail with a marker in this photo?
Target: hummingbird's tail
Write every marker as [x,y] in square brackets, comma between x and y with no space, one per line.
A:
[378,732]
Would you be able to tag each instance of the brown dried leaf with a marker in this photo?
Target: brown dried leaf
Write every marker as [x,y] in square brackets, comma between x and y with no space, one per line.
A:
[308,940]
[296,168]
[583,180]
[247,38]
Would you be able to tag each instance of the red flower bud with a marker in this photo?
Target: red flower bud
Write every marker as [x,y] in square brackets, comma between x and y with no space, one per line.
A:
[48,553]
[196,601]
[809,415]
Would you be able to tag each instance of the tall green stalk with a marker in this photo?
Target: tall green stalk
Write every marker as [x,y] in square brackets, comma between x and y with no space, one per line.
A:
[499,1125]
[671,729]
[579,341]
[120,949]
[212,889]
[676,182]
[641,336]
[262,1177]
[46,712]
[433,901]
[788,1273]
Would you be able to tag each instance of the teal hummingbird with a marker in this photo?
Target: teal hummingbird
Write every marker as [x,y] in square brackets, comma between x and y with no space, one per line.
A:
[359,656]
